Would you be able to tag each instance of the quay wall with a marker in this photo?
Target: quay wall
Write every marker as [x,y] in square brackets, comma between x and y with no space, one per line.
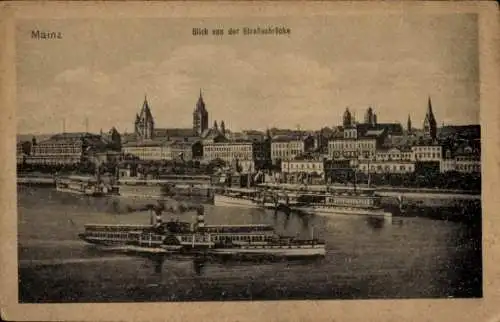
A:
[155,189]
[45,181]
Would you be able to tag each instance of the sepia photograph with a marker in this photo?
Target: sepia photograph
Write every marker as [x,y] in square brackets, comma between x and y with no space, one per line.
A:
[269,157]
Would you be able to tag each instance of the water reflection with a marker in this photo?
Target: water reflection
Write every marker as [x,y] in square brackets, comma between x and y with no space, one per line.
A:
[376,223]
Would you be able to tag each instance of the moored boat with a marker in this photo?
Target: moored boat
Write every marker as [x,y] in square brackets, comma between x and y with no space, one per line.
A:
[85,186]
[341,201]
[236,197]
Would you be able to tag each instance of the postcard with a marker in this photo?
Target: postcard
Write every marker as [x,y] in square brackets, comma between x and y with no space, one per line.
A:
[250,160]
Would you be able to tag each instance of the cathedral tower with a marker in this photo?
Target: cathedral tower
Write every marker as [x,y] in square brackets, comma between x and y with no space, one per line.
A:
[200,116]
[144,122]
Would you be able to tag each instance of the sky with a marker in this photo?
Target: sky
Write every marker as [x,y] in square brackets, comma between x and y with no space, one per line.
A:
[102,69]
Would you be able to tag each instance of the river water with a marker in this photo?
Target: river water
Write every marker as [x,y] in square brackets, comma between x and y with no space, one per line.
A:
[366,258]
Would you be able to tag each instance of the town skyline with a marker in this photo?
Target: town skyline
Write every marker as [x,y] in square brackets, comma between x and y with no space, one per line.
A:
[357,113]
[392,63]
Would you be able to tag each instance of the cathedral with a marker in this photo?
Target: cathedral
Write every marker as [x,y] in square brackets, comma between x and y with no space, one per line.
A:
[144,126]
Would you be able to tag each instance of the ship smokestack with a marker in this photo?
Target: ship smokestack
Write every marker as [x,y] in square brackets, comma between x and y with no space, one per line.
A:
[158,210]
[200,219]
[158,219]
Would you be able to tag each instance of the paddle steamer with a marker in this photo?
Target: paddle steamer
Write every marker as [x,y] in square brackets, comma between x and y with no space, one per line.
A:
[187,238]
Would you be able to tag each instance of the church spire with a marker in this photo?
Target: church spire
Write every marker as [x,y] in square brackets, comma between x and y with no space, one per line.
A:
[200,105]
[409,124]
[430,125]
[429,110]
[144,124]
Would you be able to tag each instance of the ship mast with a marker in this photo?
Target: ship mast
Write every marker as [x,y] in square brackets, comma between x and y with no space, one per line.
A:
[369,173]
[357,161]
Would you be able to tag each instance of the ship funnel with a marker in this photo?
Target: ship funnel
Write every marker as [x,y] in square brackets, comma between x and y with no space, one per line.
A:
[200,219]
[158,219]
[158,211]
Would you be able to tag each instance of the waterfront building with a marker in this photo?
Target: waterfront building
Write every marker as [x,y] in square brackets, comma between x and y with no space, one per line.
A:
[386,166]
[287,147]
[66,149]
[355,142]
[425,152]
[464,159]
[228,150]
[468,163]
[448,165]
[395,153]
[160,150]
[303,169]
[152,150]
[200,116]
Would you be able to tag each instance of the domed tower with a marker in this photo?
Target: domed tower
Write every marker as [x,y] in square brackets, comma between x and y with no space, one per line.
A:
[369,116]
[200,116]
[347,119]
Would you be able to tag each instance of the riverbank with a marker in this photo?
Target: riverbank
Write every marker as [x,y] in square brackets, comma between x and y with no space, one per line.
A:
[391,196]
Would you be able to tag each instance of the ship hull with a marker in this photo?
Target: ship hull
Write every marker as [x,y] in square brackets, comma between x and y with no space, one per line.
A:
[332,211]
[78,191]
[272,251]
[83,191]
[226,201]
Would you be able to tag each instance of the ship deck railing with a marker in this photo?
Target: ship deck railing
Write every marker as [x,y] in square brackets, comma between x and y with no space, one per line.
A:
[318,188]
